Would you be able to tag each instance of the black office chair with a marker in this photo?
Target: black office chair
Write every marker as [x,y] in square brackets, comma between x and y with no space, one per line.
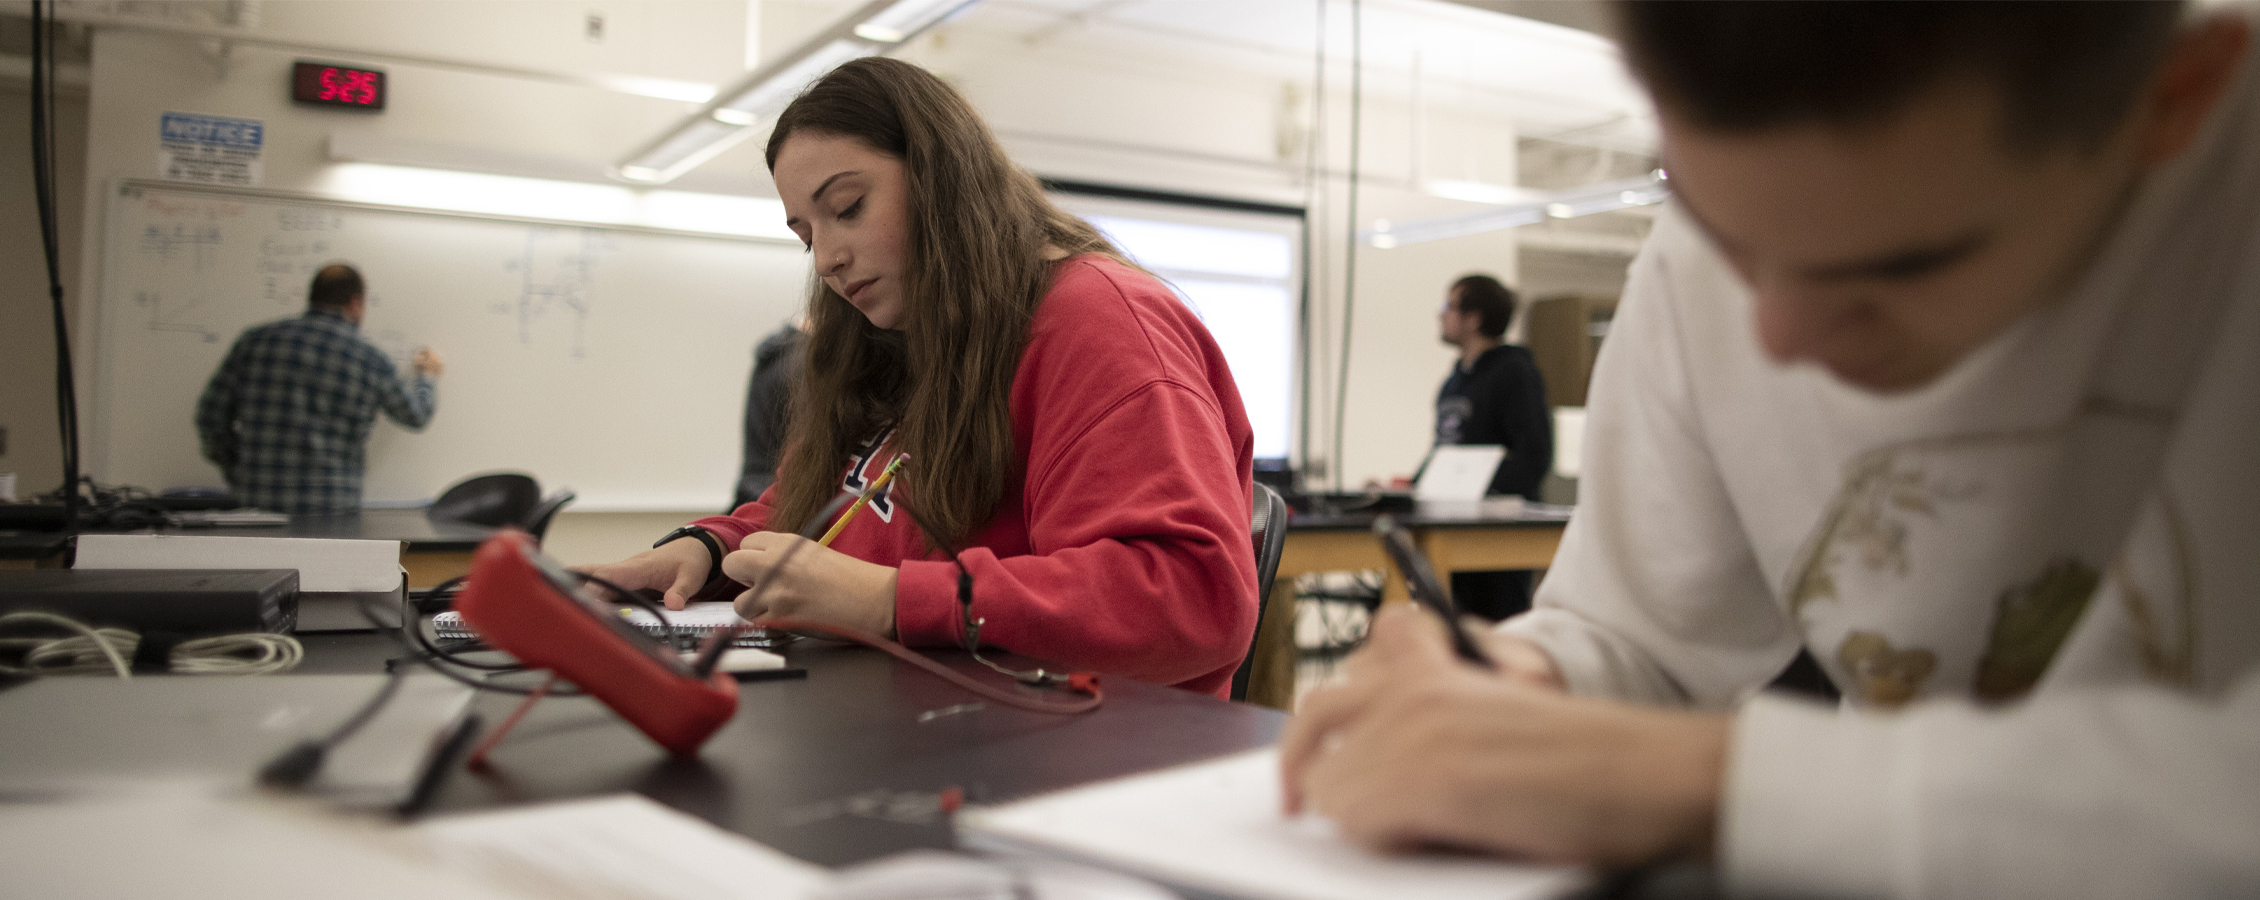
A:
[1268,524]
[537,522]
[492,500]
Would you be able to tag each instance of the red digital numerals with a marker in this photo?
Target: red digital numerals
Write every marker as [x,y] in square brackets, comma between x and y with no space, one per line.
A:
[335,85]
[348,86]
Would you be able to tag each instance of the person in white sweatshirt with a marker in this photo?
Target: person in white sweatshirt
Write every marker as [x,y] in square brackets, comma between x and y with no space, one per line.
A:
[1943,365]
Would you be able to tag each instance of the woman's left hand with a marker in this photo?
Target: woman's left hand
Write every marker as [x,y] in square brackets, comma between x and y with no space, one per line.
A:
[818,584]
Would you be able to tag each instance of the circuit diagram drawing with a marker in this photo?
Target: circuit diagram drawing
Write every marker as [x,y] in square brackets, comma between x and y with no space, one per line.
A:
[194,246]
[555,275]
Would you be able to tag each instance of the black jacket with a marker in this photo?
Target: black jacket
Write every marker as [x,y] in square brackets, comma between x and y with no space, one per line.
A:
[775,363]
[1502,400]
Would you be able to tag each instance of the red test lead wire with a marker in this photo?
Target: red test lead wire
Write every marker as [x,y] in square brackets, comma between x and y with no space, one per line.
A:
[1086,683]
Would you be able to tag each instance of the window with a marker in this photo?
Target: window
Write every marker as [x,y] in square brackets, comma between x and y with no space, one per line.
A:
[1241,273]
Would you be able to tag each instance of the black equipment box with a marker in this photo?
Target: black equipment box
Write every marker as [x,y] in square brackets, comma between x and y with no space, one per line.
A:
[184,601]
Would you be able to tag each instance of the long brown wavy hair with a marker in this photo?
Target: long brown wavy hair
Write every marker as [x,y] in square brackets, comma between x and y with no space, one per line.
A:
[974,274]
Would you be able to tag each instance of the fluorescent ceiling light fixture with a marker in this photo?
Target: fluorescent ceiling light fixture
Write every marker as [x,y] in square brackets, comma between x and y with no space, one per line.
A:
[562,201]
[735,110]
[899,21]
[1584,201]
[663,88]
[769,96]
[1475,191]
[695,143]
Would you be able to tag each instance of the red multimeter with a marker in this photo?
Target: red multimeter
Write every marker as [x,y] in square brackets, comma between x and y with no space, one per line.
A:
[529,606]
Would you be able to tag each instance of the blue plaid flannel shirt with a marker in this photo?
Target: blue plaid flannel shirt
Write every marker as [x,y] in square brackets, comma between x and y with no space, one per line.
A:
[288,415]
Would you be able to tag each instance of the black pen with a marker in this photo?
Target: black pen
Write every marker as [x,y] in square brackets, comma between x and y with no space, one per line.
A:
[1421,580]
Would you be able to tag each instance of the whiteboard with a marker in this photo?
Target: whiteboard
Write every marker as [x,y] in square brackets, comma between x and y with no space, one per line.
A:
[610,361]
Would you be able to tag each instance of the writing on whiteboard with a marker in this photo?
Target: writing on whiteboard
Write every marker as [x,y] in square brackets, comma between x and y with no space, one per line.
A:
[555,273]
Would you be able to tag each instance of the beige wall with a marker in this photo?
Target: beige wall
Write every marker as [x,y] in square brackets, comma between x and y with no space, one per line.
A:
[602,537]
[34,451]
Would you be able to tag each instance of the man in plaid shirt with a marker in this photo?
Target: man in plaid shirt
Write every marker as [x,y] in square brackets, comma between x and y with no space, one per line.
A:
[287,416]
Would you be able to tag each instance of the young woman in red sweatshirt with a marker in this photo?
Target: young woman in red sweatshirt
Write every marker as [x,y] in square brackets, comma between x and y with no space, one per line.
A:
[1068,430]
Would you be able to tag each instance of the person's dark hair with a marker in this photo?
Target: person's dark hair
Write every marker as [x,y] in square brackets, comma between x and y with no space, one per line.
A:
[975,272]
[335,286]
[1484,295]
[2068,71]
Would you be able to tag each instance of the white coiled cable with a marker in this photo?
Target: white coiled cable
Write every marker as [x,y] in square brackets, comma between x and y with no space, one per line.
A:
[95,650]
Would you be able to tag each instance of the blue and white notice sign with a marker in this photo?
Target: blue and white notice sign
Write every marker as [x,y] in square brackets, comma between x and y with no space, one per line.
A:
[210,149]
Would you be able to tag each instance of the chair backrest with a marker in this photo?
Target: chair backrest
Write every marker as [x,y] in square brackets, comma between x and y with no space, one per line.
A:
[493,500]
[537,522]
[1268,525]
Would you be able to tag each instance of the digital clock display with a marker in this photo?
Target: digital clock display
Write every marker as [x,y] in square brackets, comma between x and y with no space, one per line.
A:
[335,85]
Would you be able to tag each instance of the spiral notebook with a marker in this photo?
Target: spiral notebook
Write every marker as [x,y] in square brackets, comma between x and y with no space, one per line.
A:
[685,627]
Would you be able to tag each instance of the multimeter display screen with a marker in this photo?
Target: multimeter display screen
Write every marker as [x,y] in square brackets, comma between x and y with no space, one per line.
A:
[563,581]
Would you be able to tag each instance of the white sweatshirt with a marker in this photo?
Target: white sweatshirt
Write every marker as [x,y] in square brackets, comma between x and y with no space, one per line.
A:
[2037,580]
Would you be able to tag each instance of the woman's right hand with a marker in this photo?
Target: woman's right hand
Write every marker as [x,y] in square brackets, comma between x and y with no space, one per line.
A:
[678,567]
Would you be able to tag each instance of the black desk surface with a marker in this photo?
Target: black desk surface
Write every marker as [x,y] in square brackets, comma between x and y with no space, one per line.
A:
[838,767]
[1321,520]
[407,525]
[30,544]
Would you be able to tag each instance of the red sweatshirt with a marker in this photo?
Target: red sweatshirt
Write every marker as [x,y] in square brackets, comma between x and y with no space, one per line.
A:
[1126,547]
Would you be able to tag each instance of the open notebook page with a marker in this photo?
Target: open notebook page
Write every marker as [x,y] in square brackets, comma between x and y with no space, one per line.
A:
[1214,829]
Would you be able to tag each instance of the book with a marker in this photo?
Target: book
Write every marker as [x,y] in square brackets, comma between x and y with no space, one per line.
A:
[684,627]
[1213,829]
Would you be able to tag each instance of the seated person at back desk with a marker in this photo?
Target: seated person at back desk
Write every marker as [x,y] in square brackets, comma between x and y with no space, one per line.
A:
[1942,365]
[1097,491]
[1494,395]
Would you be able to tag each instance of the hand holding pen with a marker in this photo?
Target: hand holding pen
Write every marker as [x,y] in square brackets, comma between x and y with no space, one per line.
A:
[820,585]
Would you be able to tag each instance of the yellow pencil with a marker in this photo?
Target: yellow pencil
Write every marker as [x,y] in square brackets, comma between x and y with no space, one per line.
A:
[865,497]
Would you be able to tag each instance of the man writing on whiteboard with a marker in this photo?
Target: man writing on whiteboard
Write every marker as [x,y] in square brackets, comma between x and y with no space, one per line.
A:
[287,416]
[1941,365]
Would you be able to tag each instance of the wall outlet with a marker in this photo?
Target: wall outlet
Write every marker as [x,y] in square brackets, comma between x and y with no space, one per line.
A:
[3,440]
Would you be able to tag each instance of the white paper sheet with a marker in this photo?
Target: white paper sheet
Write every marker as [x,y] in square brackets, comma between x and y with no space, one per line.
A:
[617,847]
[1215,828]
[183,840]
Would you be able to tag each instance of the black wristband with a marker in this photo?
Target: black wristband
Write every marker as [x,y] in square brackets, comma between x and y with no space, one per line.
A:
[713,552]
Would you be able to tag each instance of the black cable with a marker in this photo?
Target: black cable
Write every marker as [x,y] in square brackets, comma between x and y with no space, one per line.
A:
[409,622]
[43,183]
[297,765]
[1350,261]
